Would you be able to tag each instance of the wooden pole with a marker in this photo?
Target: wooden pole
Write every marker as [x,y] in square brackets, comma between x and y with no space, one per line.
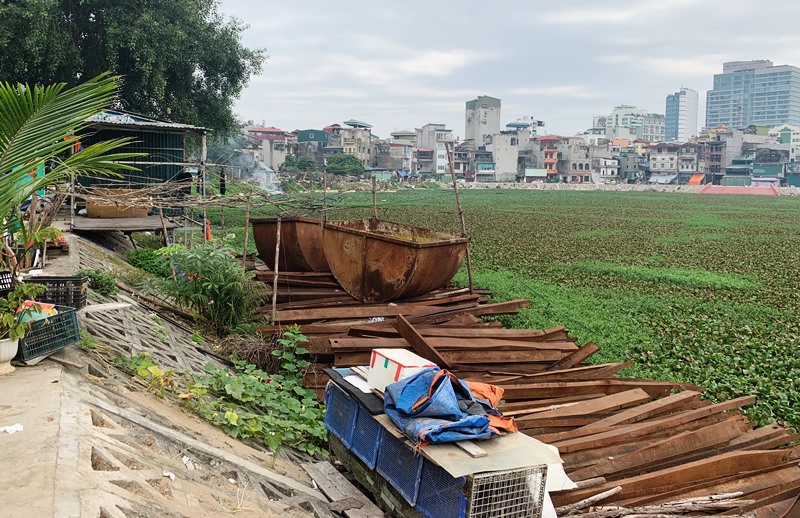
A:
[247,231]
[460,213]
[202,173]
[324,197]
[374,198]
[222,219]
[166,239]
[275,269]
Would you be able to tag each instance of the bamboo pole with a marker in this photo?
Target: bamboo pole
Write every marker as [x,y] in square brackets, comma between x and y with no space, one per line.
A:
[247,231]
[166,240]
[374,198]
[324,197]
[275,269]
[460,214]
[222,219]
[202,173]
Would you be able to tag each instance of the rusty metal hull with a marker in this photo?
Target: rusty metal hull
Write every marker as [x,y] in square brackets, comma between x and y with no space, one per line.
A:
[378,261]
[301,244]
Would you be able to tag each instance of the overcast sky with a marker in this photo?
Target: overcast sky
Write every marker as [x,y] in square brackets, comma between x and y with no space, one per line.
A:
[400,65]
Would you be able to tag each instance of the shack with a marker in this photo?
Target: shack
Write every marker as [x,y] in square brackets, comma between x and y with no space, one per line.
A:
[165,159]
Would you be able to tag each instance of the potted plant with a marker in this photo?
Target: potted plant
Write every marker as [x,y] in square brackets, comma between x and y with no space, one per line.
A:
[15,320]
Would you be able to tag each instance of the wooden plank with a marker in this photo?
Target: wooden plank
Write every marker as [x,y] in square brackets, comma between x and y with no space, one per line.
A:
[593,406]
[501,308]
[347,344]
[637,430]
[364,311]
[573,388]
[476,357]
[717,466]
[420,345]
[575,358]
[471,449]
[679,445]
[648,410]
[338,489]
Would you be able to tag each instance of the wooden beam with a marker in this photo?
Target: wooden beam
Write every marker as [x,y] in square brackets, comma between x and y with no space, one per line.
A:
[575,358]
[418,342]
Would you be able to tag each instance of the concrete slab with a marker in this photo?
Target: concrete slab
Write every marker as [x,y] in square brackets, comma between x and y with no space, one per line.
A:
[32,397]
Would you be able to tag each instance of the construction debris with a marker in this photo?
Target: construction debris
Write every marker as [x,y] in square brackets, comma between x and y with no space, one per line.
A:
[638,447]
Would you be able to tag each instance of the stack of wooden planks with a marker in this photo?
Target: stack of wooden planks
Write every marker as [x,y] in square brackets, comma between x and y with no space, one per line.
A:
[633,446]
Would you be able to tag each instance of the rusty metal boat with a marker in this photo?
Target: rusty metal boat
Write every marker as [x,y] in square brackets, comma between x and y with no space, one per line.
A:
[301,247]
[378,261]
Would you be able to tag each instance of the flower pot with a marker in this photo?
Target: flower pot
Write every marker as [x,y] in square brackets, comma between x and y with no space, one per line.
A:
[8,349]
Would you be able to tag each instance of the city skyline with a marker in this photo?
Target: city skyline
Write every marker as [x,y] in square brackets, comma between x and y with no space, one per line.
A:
[399,67]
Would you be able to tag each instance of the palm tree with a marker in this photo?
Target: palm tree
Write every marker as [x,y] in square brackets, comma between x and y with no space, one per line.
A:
[36,124]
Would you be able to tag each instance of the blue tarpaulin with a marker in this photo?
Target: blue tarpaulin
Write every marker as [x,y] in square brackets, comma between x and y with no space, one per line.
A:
[436,407]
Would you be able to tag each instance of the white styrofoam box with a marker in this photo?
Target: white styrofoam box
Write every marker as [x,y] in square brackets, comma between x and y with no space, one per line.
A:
[388,366]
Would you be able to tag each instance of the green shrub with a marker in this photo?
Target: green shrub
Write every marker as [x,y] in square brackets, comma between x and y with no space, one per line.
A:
[212,285]
[101,281]
[150,261]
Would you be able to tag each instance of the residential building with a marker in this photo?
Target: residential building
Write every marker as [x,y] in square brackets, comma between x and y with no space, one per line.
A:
[547,148]
[629,122]
[311,143]
[482,119]
[409,140]
[789,134]
[754,92]
[630,167]
[437,139]
[680,119]
[356,140]
[484,166]
[505,150]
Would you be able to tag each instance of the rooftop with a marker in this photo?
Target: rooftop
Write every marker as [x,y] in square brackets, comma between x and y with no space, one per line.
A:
[133,120]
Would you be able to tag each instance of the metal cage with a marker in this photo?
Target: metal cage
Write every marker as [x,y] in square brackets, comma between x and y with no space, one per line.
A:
[517,493]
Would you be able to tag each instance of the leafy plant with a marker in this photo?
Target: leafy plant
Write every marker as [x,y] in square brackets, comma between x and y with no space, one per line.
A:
[87,342]
[158,380]
[211,283]
[249,403]
[150,261]
[13,320]
[101,281]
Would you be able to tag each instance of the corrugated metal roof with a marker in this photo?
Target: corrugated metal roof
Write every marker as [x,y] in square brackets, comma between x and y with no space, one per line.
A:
[120,118]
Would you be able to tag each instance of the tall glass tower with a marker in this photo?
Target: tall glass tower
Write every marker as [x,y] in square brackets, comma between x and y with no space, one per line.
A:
[681,115]
[754,92]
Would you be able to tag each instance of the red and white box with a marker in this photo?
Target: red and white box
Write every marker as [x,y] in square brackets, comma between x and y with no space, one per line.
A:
[388,366]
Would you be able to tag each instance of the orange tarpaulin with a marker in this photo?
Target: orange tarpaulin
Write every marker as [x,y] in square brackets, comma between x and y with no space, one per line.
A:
[696,179]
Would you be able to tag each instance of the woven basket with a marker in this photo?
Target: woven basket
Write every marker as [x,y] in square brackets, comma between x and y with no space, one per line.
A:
[120,209]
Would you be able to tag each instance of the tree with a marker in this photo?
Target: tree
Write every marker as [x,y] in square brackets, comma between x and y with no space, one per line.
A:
[289,165]
[344,164]
[306,164]
[182,60]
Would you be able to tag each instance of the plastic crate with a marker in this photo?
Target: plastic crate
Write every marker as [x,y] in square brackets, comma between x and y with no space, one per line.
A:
[440,495]
[62,291]
[400,466]
[340,414]
[48,335]
[6,283]
[366,438]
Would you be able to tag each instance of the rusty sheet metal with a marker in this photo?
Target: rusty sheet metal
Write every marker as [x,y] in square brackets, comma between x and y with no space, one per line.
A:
[301,244]
[378,261]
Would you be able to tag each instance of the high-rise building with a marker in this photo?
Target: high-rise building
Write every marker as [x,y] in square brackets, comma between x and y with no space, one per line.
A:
[631,122]
[482,119]
[754,92]
[680,122]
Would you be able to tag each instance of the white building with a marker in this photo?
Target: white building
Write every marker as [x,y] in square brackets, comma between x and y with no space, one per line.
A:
[482,119]
[681,116]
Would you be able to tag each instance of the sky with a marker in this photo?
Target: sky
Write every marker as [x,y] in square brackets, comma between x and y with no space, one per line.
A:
[401,65]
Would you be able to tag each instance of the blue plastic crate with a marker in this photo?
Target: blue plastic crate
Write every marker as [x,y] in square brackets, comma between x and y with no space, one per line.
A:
[440,495]
[340,414]
[366,438]
[400,466]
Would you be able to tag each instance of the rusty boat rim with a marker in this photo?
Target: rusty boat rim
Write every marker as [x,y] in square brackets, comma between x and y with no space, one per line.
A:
[447,239]
[302,219]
